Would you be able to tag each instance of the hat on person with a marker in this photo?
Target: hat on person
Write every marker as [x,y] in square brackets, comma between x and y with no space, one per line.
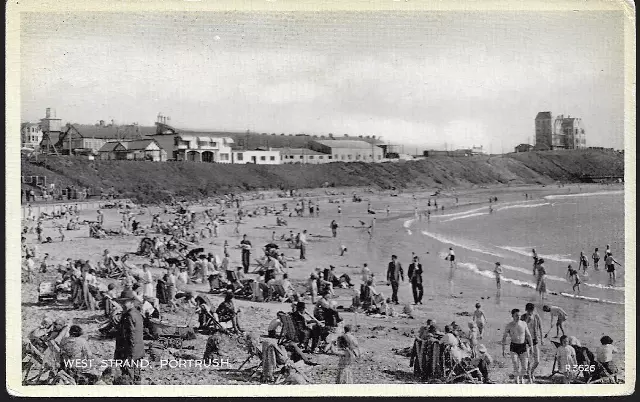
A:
[60,321]
[126,294]
[573,341]
[482,349]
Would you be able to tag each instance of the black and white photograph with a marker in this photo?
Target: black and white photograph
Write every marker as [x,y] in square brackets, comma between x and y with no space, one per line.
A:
[347,198]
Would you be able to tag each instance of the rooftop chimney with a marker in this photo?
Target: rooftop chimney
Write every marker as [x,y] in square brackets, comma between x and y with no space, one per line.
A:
[48,113]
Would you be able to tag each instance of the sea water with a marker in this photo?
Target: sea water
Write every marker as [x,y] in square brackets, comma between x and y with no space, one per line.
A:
[559,227]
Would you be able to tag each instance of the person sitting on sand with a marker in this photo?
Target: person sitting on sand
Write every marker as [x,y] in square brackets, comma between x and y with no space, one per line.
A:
[227,312]
[59,331]
[39,336]
[604,355]
[566,358]
[482,361]
[75,348]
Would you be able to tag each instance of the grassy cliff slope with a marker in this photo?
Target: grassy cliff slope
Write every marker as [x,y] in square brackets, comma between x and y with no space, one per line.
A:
[155,181]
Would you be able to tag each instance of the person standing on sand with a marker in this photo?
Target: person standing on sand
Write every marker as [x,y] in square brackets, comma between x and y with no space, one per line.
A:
[415,277]
[596,259]
[303,245]
[452,268]
[394,274]
[533,321]
[339,210]
[334,228]
[520,336]
[246,253]
[129,342]
[480,319]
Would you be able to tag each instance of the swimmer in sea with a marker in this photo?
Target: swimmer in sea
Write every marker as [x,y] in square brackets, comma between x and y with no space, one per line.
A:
[535,261]
[583,263]
[611,268]
[498,272]
[573,277]
[521,341]
[596,259]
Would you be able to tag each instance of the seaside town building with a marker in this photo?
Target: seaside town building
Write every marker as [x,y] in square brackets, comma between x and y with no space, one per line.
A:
[559,133]
[303,155]
[348,150]
[182,145]
[256,156]
[30,135]
[524,148]
[137,150]
[51,129]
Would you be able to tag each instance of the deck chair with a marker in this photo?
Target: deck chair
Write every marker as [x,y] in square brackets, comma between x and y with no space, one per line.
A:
[460,367]
[602,376]
[254,348]
[554,370]
[288,331]
[275,361]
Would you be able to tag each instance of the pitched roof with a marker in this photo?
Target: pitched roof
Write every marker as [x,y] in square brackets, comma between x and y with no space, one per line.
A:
[110,146]
[136,145]
[299,151]
[543,115]
[111,132]
[345,144]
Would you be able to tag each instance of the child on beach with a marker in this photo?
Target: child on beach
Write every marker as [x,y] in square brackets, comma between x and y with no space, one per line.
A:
[480,319]
[566,357]
[573,277]
[473,338]
[348,355]
[498,272]
[584,264]
[596,259]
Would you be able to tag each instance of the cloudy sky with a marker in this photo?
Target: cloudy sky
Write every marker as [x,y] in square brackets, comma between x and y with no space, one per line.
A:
[427,78]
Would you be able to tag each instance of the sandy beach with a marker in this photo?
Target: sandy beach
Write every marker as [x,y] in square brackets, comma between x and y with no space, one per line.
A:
[395,233]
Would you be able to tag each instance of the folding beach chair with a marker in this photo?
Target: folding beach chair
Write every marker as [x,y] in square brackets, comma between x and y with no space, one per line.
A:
[288,331]
[255,350]
[555,371]
[602,376]
[460,367]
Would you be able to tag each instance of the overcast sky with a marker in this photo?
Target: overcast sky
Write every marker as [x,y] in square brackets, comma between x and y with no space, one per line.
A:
[422,78]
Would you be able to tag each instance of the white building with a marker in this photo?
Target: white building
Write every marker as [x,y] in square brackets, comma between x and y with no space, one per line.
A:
[303,155]
[30,135]
[256,156]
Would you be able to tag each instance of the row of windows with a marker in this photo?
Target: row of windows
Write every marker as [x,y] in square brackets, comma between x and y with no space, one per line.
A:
[302,157]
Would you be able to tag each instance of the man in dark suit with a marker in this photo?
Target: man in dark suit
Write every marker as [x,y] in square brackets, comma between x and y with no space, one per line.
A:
[129,342]
[415,277]
[394,275]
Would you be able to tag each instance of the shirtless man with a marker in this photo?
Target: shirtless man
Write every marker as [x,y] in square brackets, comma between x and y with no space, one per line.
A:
[520,336]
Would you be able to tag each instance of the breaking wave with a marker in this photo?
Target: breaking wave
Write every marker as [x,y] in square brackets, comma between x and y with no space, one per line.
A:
[523,206]
[462,244]
[489,274]
[526,251]
[466,216]
[560,196]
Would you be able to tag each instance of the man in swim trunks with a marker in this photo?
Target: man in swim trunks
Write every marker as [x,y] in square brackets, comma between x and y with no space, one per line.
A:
[596,258]
[611,268]
[520,336]
[574,277]
[561,317]
[534,323]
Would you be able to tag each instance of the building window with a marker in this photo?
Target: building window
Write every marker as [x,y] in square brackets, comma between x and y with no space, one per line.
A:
[263,158]
[214,144]
[329,157]
[224,157]
[272,158]
[358,157]
[240,156]
[321,157]
[301,156]
[379,157]
[349,156]
[310,156]
[342,157]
